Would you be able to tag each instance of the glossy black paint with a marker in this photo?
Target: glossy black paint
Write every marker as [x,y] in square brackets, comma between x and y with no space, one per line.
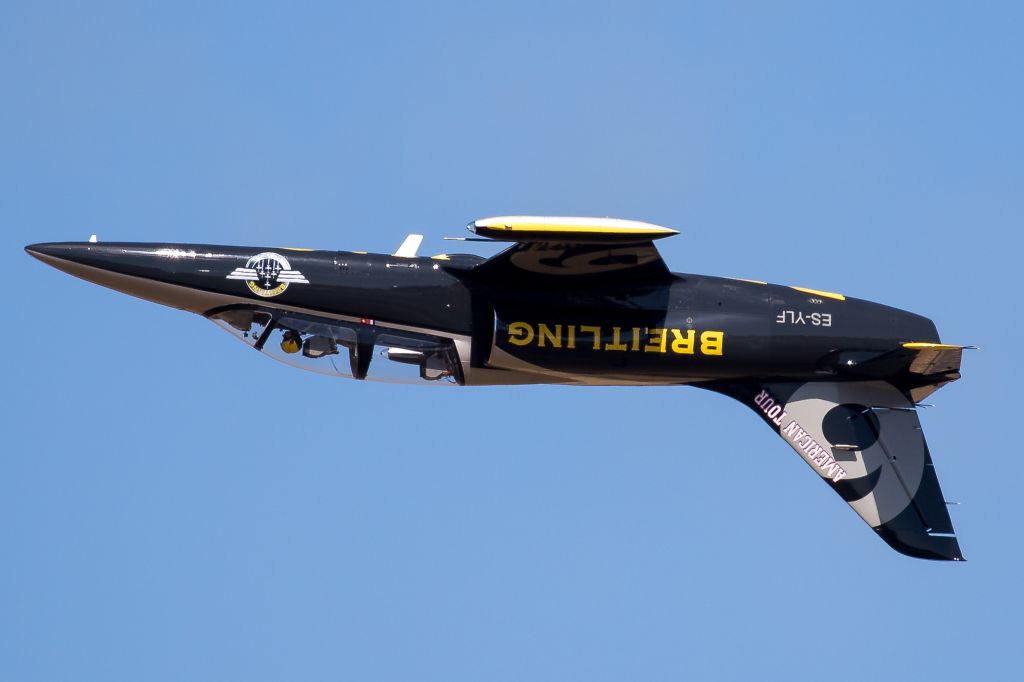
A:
[409,291]
[453,296]
[561,313]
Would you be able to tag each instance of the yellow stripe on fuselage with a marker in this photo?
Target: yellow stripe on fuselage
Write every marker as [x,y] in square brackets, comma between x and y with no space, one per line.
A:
[816,292]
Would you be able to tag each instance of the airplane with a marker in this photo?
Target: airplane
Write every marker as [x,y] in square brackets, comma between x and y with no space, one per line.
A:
[586,302]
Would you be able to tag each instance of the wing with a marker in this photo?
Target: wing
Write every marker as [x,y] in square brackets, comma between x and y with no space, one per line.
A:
[572,250]
[864,439]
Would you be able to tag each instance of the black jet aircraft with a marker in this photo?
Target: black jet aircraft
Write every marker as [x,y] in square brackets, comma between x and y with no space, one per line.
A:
[585,301]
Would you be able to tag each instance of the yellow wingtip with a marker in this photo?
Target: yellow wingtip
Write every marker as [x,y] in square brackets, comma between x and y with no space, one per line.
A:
[924,345]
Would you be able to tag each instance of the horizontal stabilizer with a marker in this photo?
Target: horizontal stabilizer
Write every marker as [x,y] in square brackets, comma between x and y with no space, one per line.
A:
[917,369]
[934,358]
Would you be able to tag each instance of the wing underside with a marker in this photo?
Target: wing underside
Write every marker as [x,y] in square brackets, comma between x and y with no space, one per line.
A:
[864,439]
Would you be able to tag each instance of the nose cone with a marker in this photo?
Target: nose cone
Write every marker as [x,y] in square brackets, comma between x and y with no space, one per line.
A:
[112,265]
[166,274]
[76,258]
[52,253]
[36,250]
[87,259]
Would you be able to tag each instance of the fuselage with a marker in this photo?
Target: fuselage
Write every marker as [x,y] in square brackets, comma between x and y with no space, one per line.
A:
[585,301]
[676,329]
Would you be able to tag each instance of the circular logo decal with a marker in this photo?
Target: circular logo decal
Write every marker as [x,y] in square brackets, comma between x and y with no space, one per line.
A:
[268,274]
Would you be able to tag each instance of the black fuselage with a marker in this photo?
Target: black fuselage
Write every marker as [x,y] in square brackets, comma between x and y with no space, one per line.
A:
[838,379]
[676,328]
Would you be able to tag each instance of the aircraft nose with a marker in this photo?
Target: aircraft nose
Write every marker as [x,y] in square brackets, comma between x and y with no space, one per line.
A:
[47,252]
[40,250]
[164,273]
[75,258]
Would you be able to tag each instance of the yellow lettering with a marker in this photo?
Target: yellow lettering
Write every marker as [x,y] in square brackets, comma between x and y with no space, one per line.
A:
[520,334]
[643,338]
[544,333]
[615,344]
[596,331]
[683,344]
[711,343]
[656,340]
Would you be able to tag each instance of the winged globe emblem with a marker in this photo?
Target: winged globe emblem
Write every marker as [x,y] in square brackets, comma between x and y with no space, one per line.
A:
[268,274]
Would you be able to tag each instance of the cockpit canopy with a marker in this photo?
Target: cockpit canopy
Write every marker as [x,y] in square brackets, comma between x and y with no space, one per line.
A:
[352,349]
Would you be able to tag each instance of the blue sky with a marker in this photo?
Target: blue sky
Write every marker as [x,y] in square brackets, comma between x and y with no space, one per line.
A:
[161,522]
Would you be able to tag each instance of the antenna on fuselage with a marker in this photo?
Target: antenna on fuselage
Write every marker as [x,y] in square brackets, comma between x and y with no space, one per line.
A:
[410,246]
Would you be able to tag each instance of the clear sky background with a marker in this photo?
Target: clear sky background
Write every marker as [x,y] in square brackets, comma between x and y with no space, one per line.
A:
[175,506]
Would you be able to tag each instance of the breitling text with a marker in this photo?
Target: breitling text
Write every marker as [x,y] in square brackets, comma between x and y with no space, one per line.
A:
[637,339]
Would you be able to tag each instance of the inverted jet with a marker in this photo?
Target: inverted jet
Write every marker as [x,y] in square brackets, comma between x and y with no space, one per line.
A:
[587,302]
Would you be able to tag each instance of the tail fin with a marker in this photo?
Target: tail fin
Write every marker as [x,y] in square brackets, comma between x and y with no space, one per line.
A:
[864,439]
